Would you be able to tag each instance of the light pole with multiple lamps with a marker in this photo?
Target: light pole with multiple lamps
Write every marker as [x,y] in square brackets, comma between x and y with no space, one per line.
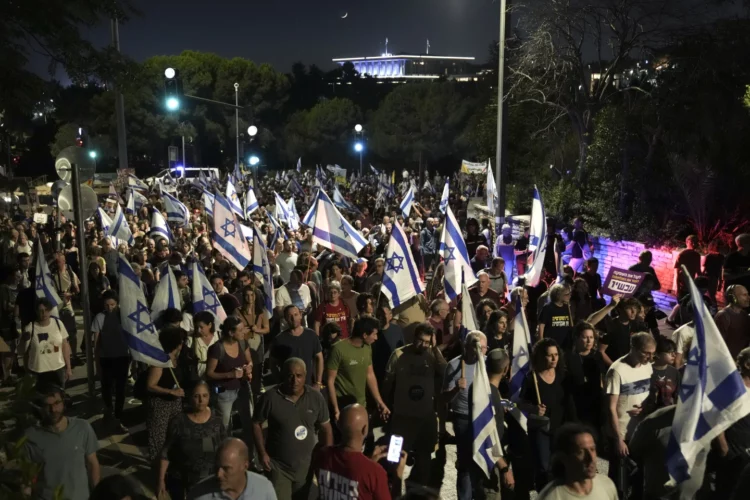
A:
[359,145]
[253,161]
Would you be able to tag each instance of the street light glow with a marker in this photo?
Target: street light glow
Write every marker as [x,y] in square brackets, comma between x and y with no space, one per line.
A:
[92,154]
[358,147]
[173,104]
[358,128]
[252,130]
[254,160]
[169,73]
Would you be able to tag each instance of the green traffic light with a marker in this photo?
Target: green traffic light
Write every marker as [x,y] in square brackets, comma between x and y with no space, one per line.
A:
[92,154]
[173,104]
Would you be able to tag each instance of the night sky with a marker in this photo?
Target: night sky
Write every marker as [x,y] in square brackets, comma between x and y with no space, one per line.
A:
[281,32]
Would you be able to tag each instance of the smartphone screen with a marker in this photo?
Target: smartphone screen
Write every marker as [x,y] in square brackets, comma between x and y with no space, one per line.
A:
[394,449]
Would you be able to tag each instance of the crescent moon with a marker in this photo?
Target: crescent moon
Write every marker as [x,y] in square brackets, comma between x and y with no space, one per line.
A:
[346,14]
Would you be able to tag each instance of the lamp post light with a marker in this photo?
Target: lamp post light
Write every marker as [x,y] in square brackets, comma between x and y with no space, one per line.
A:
[252,130]
[92,155]
[359,146]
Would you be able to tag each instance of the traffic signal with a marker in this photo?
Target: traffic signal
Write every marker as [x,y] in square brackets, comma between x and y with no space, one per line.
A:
[16,160]
[172,89]
[81,139]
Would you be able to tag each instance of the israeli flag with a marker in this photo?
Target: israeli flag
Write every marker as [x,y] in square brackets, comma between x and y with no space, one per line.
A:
[237,173]
[401,280]
[130,207]
[263,266]
[135,201]
[208,202]
[299,164]
[407,202]
[374,170]
[204,297]
[712,396]
[105,220]
[251,202]
[233,199]
[247,232]
[521,359]
[331,230]
[455,257]
[428,186]
[537,241]
[284,213]
[444,197]
[44,286]
[278,232]
[485,439]
[167,294]
[295,187]
[202,180]
[159,227]
[342,202]
[113,193]
[491,191]
[177,212]
[293,211]
[135,183]
[468,317]
[227,235]
[119,227]
[135,319]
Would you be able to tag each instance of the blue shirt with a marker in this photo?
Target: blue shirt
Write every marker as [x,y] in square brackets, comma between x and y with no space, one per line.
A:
[257,488]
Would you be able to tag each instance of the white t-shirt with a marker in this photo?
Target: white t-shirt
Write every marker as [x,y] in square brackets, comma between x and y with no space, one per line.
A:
[286,263]
[632,386]
[603,489]
[45,346]
[283,299]
[683,336]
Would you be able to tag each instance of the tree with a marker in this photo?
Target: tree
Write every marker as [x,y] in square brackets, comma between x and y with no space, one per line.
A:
[51,28]
[577,55]
[419,122]
[323,133]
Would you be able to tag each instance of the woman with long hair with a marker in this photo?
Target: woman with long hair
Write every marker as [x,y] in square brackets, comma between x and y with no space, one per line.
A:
[165,392]
[203,337]
[98,284]
[544,395]
[496,331]
[585,370]
[252,314]
[483,311]
[190,448]
[230,368]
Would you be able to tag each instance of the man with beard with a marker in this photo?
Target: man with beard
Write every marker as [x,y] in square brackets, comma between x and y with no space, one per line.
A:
[409,387]
[65,447]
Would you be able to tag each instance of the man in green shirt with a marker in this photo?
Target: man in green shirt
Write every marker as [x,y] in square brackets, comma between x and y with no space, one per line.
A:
[349,369]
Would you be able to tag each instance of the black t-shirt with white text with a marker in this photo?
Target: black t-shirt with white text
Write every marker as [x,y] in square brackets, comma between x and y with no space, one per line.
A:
[556,321]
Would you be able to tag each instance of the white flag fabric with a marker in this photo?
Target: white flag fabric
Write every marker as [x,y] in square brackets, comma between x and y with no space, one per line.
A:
[537,241]
[278,233]
[491,190]
[712,395]
[159,227]
[204,297]
[227,235]
[233,199]
[120,228]
[293,214]
[105,219]
[135,183]
[407,202]
[331,230]
[284,213]
[135,201]
[177,212]
[401,279]
[485,444]
[263,266]
[135,319]
[251,202]
[455,257]
[44,286]
[444,197]
[166,294]
[247,232]
[521,359]
[468,317]
[299,164]
[113,193]
[208,202]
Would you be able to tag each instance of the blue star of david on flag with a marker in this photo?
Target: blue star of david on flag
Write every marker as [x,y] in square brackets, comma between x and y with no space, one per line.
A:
[342,228]
[40,282]
[450,256]
[136,318]
[212,306]
[226,227]
[395,263]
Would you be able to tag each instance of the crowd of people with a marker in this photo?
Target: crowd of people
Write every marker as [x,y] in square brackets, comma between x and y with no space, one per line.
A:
[286,407]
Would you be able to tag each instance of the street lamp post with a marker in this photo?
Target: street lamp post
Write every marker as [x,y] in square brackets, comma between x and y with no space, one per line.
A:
[359,146]
[500,177]
[252,131]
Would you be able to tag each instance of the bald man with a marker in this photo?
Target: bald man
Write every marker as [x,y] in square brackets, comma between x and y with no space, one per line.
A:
[343,471]
[232,479]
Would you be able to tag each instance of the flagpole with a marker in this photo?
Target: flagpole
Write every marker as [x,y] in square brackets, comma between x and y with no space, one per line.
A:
[81,243]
